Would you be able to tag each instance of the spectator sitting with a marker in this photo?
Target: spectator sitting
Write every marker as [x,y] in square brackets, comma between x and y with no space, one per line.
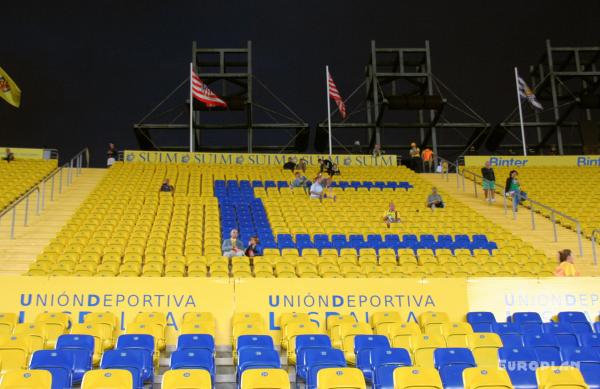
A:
[252,250]
[10,156]
[566,267]
[111,154]
[513,189]
[232,247]
[434,200]
[325,165]
[290,164]
[328,189]
[391,215]
[299,181]
[334,171]
[166,187]
[302,164]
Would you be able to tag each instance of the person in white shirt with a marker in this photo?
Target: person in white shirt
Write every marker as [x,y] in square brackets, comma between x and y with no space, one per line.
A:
[316,189]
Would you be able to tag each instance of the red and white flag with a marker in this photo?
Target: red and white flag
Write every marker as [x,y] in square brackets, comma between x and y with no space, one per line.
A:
[335,95]
[201,93]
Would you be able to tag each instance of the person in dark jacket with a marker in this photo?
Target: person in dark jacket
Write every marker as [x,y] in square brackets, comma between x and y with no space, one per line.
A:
[513,189]
[289,165]
[489,182]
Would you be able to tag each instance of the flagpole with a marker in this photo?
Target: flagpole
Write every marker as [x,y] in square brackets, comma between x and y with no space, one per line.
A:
[328,108]
[520,112]
[191,110]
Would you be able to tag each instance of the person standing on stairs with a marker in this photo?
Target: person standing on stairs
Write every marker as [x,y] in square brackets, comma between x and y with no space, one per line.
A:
[513,189]
[489,182]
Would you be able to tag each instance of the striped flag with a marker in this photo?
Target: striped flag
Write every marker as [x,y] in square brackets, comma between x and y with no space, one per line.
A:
[526,93]
[201,93]
[335,95]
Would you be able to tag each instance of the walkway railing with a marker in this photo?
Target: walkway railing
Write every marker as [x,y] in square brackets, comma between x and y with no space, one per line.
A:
[47,187]
[533,205]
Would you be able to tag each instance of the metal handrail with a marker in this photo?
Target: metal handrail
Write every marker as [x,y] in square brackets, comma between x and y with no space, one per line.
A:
[74,165]
[553,212]
[593,237]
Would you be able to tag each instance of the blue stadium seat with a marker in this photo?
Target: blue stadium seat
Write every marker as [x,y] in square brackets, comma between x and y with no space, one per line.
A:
[196,341]
[510,333]
[587,361]
[130,360]
[597,327]
[451,362]
[194,359]
[58,362]
[545,346]
[144,343]
[563,332]
[520,363]
[82,350]
[257,358]
[256,341]
[317,359]
[384,362]
[590,340]
[480,321]
[391,241]
[306,342]
[530,322]
[363,347]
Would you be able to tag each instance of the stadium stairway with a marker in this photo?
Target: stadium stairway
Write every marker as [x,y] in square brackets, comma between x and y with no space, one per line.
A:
[18,253]
[541,238]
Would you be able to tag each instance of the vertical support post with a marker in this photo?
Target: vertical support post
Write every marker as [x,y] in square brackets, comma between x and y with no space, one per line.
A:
[559,139]
[463,180]
[532,217]
[520,112]
[594,247]
[475,185]
[191,97]
[52,189]
[430,91]
[553,218]
[12,223]
[60,180]
[43,194]
[505,205]
[26,215]
[457,176]
[250,114]
[375,90]
[328,111]
[579,238]
[37,207]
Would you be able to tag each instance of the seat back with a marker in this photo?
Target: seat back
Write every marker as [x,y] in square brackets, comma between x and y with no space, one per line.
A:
[486,377]
[485,346]
[564,377]
[107,378]
[196,341]
[27,379]
[264,379]
[423,347]
[340,377]
[59,363]
[417,377]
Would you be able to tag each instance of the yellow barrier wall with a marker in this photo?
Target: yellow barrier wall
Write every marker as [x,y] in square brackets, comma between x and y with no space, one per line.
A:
[252,159]
[21,153]
[271,297]
[536,160]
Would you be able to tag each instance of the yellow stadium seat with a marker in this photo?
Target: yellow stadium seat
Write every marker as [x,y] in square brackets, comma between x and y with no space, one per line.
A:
[53,325]
[340,378]
[186,378]
[26,379]
[422,348]
[14,353]
[384,317]
[295,328]
[197,317]
[433,321]
[150,328]
[97,333]
[409,377]
[8,321]
[486,377]
[107,378]
[456,334]
[334,321]
[484,346]
[400,334]
[241,317]
[247,328]
[563,377]
[34,332]
[108,323]
[265,379]
[346,332]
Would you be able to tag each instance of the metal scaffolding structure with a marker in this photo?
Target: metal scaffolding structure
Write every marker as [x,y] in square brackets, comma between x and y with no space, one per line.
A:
[228,73]
[401,94]
[565,80]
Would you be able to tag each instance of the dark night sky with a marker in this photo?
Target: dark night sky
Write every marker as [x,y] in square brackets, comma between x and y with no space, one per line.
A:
[89,70]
